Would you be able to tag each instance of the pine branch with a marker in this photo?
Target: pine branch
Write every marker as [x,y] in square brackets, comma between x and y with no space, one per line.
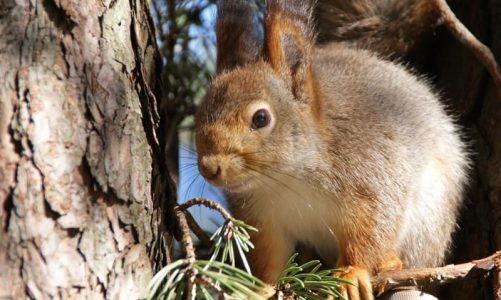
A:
[207,203]
[195,278]
[197,230]
[189,252]
[309,281]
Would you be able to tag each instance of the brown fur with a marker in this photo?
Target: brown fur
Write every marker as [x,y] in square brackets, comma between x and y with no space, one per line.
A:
[359,161]
[390,27]
[242,43]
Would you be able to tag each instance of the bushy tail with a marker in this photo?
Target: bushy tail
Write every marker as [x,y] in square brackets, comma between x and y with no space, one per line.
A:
[385,26]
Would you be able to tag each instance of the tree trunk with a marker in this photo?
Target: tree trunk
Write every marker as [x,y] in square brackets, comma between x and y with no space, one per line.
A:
[82,179]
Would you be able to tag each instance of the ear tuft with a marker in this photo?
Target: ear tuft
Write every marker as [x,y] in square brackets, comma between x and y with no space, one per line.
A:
[237,35]
[289,39]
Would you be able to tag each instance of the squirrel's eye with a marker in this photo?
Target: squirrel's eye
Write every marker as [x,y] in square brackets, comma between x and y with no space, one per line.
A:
[260,119]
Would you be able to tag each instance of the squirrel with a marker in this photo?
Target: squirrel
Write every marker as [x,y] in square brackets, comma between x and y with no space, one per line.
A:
[327,146]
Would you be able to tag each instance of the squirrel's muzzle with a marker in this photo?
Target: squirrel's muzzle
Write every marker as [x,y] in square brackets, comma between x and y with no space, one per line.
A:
[210,167]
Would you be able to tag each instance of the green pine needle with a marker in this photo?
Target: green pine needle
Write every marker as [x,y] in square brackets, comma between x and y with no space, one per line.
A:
[219,278]
[233,232]
[307,282]
[212,277]
[218,275]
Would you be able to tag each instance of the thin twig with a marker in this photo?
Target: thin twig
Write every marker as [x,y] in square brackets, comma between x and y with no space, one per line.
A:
[207,203]
[463,35]
[189,251]
[206,281]
[185,222]
[197,230]
[427,277]
[186,240]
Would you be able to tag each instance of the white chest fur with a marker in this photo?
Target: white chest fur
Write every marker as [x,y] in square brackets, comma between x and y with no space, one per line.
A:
[299,212]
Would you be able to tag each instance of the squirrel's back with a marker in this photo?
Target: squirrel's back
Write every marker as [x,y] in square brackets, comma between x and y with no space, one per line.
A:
[368,101]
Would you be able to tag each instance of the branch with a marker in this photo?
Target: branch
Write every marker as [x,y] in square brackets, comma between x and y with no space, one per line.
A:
[427,277]
[207,203]
[197,230]
[191,221]
[206,281]
[465,37]
[189,251]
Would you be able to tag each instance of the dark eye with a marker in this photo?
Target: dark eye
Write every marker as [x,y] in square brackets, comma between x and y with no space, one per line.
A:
[260,119]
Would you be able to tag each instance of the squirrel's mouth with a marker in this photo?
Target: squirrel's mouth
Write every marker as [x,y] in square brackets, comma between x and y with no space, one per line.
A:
[237,187]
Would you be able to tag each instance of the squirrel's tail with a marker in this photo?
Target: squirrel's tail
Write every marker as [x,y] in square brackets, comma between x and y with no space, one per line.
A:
[386,26]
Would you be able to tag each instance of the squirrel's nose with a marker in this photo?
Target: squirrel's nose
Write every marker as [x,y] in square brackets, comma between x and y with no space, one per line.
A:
[210,168]
[213,175]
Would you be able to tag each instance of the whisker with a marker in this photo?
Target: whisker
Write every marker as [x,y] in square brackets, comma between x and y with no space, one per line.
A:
[204,183]
[187,167]
[279,194]
[250,167]
[190,163]
[195,177]
[308,203]
[258,177]
[188,157]
[268,166]
[188,149]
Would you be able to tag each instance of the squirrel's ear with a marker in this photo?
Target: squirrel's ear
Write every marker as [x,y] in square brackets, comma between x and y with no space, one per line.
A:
[237,34]
[289,39]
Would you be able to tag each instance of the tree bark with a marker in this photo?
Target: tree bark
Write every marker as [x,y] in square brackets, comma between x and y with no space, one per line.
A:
[82,179]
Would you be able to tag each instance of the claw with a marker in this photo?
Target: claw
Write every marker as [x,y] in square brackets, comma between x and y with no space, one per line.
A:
[361,288]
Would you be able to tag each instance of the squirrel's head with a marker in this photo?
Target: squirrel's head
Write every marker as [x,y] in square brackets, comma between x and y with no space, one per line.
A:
[263,97]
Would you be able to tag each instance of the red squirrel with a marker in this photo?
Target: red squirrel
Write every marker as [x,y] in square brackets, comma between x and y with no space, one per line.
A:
[328,146]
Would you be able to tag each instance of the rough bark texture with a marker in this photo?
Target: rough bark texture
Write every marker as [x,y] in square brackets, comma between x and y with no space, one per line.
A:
[470,92]
[81,174]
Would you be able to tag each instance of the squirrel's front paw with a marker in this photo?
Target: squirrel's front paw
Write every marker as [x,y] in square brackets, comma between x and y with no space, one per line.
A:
[361,288]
